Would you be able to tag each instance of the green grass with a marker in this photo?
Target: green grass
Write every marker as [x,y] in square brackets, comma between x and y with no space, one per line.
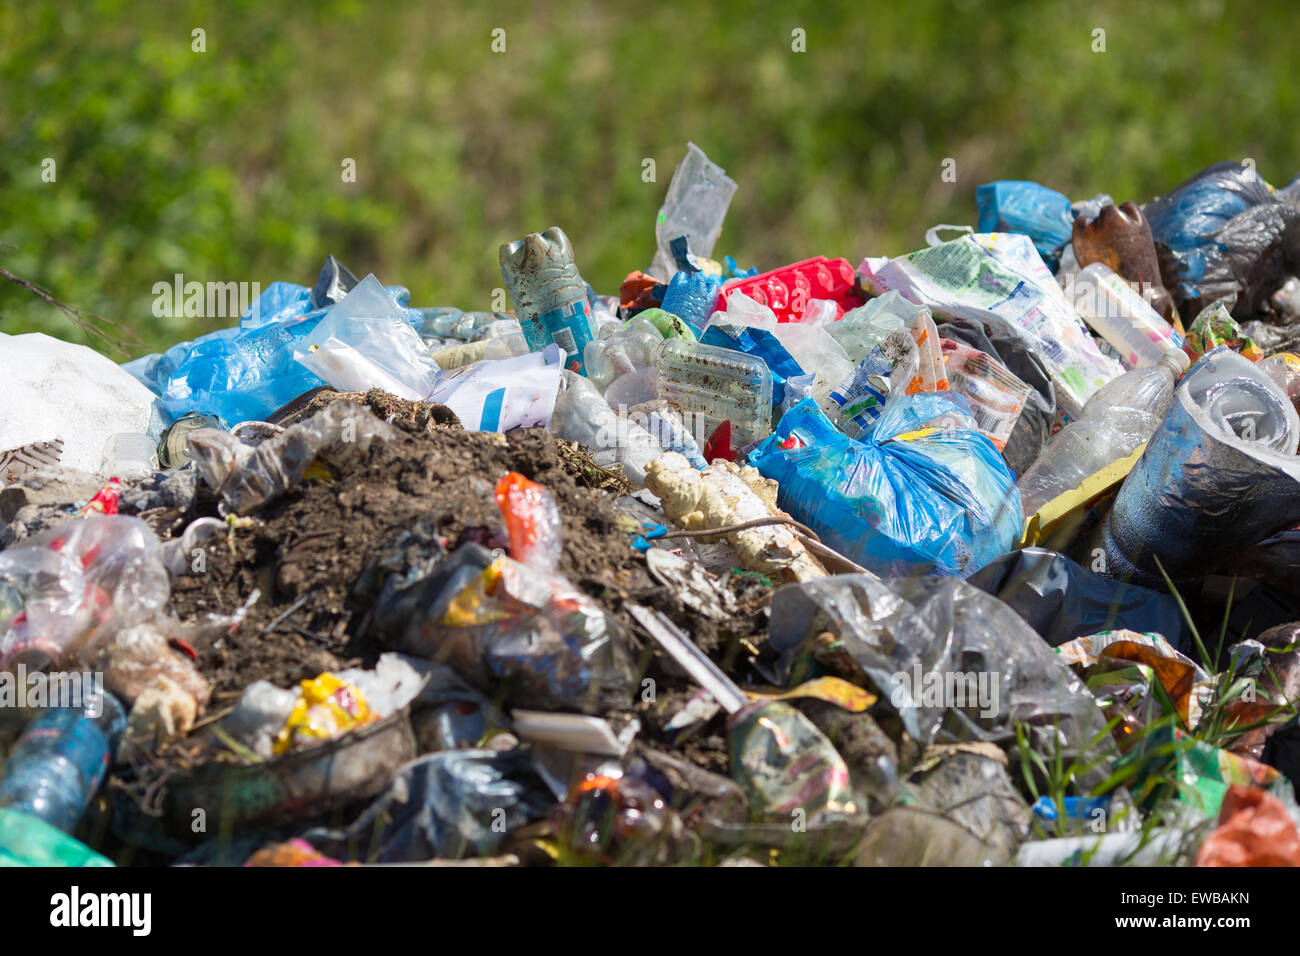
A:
[225,165]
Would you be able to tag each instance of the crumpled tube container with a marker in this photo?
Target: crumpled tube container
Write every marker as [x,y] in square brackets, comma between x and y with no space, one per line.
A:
[1219,474]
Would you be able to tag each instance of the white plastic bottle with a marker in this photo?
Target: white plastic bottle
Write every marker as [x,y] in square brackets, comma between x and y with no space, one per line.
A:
[1116,312]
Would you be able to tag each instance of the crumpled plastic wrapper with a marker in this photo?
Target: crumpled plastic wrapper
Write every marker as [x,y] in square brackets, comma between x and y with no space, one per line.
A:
[249,477]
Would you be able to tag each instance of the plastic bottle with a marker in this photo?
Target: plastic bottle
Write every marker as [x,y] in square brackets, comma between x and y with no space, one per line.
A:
[1284,369]
[1122,317]
[629,348]
[691,297]
[61,759]
[1120,237]
[1123,414]
[582,415]
[549,295]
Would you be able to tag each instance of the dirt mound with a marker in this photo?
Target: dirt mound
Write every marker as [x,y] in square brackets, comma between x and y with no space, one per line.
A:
[304,553]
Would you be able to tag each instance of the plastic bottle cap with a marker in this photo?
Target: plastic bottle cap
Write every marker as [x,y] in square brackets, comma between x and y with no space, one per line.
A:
[1177,360]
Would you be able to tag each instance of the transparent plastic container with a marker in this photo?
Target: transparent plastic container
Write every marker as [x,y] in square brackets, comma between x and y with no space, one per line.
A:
[1119,314]
[716,385]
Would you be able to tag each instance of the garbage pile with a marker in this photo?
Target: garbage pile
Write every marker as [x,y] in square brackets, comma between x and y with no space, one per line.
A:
[984,554]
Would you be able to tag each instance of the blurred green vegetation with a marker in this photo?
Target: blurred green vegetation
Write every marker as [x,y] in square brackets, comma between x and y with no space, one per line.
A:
[225,165]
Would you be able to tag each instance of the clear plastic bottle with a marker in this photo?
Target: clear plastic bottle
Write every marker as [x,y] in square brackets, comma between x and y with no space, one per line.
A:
[628,348]
[61,759]
[1123,318]
[549,295]
[582,415]
[691,297]
[1123,414]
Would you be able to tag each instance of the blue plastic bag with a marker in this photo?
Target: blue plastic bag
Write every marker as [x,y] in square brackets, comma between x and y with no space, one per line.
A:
[1042,214]
[911,496]
[247,372]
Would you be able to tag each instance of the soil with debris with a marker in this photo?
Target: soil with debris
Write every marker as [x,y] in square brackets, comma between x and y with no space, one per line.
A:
[305,553]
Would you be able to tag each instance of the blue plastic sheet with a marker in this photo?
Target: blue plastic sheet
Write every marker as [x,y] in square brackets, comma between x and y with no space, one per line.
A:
[247,372]
[921,492]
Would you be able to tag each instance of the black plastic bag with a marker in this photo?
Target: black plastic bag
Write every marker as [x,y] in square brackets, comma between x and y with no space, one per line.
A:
[1222,234]
[1062,600]
[451,804]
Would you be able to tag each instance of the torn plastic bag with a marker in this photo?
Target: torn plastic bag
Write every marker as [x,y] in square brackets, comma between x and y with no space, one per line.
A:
[1220,473]
[529,635]
[863,328]
[1034,426]
[922,488]
[969,785]
[81,579]
[247,372]
[449,805]
[249,477]
[999,277]
[1042,214]
[956,663]
[694,207]
[1062,600]
[1222,233]
[1254,829]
